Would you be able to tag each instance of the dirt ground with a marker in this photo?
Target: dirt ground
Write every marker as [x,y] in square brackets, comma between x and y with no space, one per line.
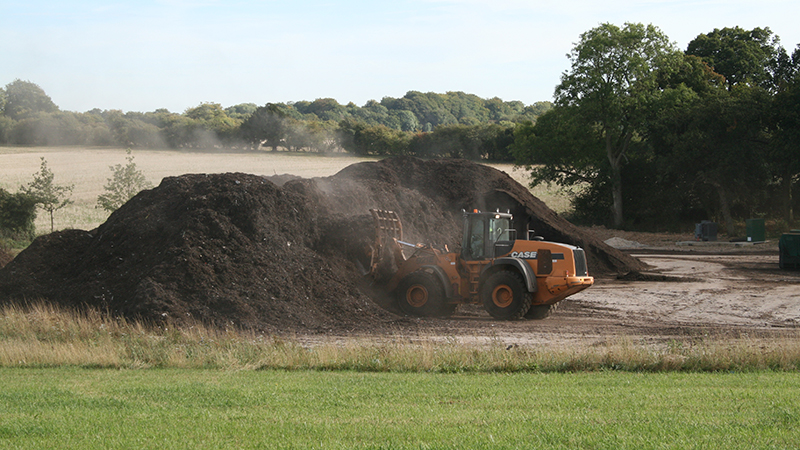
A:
[699,290]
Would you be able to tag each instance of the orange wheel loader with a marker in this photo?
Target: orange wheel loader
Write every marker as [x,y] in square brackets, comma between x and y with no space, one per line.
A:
[512,278]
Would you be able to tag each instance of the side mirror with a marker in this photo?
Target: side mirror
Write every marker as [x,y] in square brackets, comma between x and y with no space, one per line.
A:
[532,237]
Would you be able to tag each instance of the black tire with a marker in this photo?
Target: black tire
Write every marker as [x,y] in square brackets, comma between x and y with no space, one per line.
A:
[421,293]
[539,312]
[504,296]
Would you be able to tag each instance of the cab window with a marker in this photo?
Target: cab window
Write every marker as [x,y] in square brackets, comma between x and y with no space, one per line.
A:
[499,229]
[476,238]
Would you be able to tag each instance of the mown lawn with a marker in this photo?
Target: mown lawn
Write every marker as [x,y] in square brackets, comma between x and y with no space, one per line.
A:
[191,408]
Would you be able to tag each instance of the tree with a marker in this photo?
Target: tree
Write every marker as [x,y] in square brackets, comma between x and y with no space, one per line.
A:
[268,125]
[406,120]
[473,142]
[361,139]
[56,128]
[561,148]
[241,111]
[758,73]
[210,124]
[714,143]
[741,56]
[324,109]
[6,129]
[24,99]
[134,130]
[785,125]
[312,135]
[604,96]
[2,100]
[51,197]
[125,182]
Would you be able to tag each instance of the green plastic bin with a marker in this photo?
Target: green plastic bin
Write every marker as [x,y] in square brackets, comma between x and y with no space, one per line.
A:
[789,248]
[756,231]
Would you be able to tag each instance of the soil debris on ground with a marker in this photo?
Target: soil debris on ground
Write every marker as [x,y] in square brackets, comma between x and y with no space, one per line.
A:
[653,277]
[241,250]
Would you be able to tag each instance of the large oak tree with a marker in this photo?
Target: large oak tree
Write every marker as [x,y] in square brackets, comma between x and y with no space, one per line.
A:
[602,100]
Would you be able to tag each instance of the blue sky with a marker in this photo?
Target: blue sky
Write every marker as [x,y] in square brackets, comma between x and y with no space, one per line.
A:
[143,55]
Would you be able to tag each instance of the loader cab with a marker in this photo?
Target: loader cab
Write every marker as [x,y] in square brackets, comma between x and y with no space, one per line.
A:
[486,235]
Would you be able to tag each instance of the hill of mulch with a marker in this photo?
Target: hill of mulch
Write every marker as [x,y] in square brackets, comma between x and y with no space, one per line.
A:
[239,250]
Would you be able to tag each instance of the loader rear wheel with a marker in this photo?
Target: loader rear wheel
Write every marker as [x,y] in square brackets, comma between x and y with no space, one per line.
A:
[539,312]
[421,294]
[504,296]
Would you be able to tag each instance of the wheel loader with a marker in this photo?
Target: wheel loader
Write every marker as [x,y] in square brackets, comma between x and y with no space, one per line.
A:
[512,278]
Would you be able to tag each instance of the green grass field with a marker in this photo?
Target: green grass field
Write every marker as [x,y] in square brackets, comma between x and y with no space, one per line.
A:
[87,381]
[194,409]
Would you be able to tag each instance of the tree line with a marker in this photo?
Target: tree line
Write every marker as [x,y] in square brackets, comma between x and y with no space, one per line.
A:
[656,136]
[425,124]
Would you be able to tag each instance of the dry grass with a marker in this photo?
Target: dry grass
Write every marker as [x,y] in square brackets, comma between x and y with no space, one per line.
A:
[88,170]
[41,335]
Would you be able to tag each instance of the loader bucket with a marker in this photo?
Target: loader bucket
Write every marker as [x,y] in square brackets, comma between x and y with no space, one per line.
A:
[387,224]
[385,253]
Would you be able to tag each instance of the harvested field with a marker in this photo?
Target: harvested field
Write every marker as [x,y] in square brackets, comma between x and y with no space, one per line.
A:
[242,250]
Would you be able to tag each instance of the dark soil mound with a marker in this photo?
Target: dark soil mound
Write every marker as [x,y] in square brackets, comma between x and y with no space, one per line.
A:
[429,197]
[225,249]
[236,249]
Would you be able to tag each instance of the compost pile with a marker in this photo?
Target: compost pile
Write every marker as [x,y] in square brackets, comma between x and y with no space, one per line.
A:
[239,250]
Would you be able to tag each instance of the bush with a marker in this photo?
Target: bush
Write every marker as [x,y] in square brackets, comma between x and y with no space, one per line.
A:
[17,215]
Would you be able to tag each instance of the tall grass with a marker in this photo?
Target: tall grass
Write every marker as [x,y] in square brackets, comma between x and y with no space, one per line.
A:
[42,335]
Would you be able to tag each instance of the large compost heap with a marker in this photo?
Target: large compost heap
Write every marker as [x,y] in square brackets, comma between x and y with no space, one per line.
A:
[240,250]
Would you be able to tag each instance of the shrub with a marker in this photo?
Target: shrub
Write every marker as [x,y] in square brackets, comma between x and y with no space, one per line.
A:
[17,215]
[126,182]
[50,196]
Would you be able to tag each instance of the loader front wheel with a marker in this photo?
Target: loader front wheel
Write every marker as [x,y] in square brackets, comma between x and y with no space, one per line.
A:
[539,312]
[421,294]
[504,296]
